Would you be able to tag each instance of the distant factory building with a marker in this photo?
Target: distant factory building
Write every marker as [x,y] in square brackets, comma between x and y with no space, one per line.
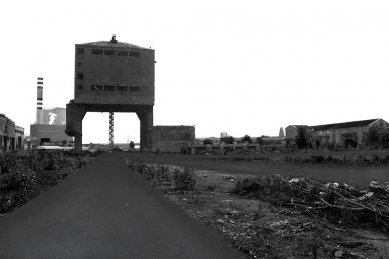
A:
[333,133]
[174,139]
[49,128]
[11,135]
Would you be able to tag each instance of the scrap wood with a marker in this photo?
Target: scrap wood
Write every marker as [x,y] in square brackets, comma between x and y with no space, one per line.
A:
[313,195]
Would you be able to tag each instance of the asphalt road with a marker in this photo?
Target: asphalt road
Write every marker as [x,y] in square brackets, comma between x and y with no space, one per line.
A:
[351,174]
[106,211]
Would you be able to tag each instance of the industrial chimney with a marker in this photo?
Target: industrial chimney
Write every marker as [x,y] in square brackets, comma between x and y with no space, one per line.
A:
[39,101]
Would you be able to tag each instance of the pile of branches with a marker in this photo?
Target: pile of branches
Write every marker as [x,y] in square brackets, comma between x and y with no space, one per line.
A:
[339,203]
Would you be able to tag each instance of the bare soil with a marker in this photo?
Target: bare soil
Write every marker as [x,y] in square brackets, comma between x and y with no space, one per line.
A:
[260,229]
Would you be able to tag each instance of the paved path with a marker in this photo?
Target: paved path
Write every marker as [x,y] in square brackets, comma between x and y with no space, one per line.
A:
[106,211]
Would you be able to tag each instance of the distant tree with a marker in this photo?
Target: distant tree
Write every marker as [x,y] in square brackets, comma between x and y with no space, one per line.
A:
[207,141]
[227,139]
[260,141]
[132,144]
[246,138]
[385,138]
[303,138]
[374,136]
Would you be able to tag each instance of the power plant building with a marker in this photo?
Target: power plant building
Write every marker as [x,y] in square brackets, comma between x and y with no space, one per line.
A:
[49,128]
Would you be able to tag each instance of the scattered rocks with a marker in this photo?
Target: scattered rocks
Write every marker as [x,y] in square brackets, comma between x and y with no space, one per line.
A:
[339,254]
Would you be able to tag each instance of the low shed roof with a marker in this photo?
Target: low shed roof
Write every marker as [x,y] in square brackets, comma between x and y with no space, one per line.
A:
[113,45]
[343,125]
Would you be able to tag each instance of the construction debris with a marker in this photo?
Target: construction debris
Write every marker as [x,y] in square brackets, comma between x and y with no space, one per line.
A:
[334,201]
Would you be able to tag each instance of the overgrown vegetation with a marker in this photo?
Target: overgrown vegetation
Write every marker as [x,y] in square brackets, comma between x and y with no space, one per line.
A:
[360,159]
[181,179]
[247,138]
[227,140]
[303,138]
[22,177]
[377,137]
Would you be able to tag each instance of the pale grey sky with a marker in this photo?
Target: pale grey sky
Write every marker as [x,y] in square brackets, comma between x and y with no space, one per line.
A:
[245,67]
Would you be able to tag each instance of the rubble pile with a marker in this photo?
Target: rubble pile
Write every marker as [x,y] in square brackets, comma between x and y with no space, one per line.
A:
[338,203]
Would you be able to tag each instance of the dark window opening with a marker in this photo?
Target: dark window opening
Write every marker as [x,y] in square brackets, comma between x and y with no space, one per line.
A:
[80,76]
[96,87]
[122,88]
[80,87]
[134,89]
[134,54]
[97,51]
[109,88]
[109,52]
[123,53]
[80,51]
[40,83]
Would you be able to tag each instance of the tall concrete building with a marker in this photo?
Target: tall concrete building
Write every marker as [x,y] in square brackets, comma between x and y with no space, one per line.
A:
[112,76]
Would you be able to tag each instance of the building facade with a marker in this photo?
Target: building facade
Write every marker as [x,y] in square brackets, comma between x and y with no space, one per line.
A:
[334,133]
[112,76]
[173,139]
[11,135]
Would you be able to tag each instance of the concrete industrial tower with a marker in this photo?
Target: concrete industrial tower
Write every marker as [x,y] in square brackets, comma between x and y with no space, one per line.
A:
[112,76]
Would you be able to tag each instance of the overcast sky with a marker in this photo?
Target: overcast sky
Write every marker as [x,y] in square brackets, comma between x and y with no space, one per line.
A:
[244,67]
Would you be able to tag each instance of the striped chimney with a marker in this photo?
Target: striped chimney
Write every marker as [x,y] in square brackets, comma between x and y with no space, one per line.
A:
[39,101]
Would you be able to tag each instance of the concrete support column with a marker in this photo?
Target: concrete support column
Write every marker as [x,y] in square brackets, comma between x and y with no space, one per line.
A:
[146,123]
[74,116]
[79,116]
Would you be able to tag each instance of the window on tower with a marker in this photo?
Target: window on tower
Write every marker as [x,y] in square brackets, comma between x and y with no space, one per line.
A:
[109,88]
[109,52]
[122,88]
[134,54]
[96,87]
[97,51]
[134,89]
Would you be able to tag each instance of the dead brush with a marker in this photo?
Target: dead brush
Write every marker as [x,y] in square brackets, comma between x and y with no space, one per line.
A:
[335,202]
[184,180]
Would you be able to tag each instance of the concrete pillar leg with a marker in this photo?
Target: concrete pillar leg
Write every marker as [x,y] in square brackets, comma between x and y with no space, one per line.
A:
[146,123]
[80,113]
[78,142]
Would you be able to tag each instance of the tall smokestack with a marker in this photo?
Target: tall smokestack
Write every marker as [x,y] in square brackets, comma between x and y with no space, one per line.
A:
[39,101]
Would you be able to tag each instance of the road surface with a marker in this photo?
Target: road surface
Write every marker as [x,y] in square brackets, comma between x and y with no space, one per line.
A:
[106,211]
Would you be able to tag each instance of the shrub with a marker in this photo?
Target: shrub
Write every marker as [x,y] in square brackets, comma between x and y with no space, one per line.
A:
[246,138]
[207,141]
[227,140]
[260,141]
[184,180]
[303,138]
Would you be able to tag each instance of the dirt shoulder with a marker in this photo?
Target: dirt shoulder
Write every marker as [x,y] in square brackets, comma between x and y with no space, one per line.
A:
[261,229]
